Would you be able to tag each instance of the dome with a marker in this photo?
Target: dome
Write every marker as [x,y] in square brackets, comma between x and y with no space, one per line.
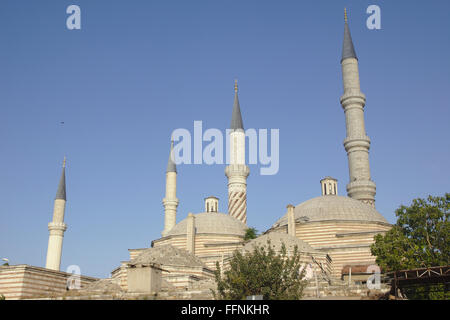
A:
[333,208]
[102,285]
[276,239]
[213,223]
[167,255]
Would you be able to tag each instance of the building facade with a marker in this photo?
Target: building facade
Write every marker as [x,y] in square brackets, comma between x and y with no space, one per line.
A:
[333,232]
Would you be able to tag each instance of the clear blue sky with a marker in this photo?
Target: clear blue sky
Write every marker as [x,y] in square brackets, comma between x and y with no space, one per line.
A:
[139,69]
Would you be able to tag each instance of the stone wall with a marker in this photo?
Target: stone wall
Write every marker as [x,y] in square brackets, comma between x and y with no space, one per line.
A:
[25,281]
[180,277]
[346,242]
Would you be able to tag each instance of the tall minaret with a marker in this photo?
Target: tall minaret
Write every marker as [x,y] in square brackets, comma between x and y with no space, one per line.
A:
[57,226]
[237,172]
[170,201]
[357,143]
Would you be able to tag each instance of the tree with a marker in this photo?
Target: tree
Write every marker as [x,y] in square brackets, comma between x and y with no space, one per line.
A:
[418,239]
[250,233]
[276,276]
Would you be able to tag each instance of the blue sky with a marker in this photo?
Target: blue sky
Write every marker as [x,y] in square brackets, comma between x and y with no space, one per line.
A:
[139,69]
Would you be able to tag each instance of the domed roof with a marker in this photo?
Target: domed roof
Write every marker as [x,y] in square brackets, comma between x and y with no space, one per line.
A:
[102,285]
[333,208]
[276,239]
[167,255]
[211,222]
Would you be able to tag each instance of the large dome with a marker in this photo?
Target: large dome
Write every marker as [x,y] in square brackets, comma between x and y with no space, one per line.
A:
[213,223]
[333,208]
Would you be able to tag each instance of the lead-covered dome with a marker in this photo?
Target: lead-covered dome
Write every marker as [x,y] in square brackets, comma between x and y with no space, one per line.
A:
[213,223]
[167,255]
[276,240]
[333,208]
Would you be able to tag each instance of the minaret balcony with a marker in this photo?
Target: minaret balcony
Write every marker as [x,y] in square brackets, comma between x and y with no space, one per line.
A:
[237,170]
[357,143]
[57,226]
[353,97]
[170,201]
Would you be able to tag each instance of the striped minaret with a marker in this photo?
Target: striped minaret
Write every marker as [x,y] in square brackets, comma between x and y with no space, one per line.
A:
[57,226]
[357,143]
[237,172]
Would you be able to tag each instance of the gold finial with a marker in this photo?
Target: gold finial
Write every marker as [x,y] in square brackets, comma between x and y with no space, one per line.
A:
[235,86]
[64,162]
[345,15]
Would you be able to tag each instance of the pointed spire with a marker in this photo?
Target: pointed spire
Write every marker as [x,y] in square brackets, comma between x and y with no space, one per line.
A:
[348,50]
[171,167]
[236,118]
[61,192]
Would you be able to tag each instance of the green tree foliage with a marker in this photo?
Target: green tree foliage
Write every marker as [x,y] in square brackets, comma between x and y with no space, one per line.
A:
[250,233]
[419,239]
[276,276]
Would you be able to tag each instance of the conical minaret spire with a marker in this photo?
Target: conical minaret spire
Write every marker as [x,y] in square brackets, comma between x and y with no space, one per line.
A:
[348,50]
[357,143]
[61,192]
[171,166]
[57,227]
[170,201]
[236,118]
[237,172]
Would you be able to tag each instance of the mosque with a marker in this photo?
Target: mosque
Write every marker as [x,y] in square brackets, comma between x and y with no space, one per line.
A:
[332,232]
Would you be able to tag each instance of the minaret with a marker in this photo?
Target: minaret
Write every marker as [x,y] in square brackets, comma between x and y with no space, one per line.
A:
[170,201]
[237,172]
[357,143]
[57,226]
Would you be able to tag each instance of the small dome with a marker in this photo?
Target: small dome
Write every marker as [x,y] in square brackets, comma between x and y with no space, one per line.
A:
[167,255]
[103,286]
[276,239]
[333,208]
[211,222]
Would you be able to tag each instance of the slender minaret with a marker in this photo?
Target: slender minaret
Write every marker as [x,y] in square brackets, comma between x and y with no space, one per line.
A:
[357,143]
[237,172]
[170,201]
[57,226]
